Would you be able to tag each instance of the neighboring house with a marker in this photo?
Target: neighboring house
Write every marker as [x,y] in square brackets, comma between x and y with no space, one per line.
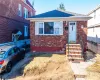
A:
[94,30]
[13,21]
[51,31]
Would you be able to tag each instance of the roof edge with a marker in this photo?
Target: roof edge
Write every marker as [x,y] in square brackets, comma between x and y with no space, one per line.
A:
[70,12]
[61,18]
[98,7]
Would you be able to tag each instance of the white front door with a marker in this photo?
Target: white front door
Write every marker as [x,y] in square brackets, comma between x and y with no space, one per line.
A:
[72,32]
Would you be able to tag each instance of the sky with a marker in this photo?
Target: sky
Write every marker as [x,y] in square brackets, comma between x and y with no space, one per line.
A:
[77,6]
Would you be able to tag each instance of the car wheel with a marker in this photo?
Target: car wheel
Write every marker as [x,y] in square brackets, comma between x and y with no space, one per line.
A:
[9,67]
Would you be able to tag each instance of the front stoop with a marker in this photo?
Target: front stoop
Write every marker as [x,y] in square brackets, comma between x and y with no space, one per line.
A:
[74,52]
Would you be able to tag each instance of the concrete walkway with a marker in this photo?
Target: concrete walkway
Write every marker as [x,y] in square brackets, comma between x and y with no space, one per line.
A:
[79,69]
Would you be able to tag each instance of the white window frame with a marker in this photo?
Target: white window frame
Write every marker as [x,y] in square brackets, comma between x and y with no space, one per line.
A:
[60,28]
[25,31]
[19,9]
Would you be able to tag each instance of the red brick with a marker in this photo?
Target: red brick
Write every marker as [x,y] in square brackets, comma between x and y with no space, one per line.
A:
[56,41]
[9,19]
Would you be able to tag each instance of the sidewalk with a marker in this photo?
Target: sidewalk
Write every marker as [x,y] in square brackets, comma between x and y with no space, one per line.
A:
[79,69]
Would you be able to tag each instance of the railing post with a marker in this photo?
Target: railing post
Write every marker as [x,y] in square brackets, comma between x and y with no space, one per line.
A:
[68,38]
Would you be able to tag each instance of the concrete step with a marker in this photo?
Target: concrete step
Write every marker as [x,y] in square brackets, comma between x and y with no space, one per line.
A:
[75,55]
[76,59]
[79,48]
[72,44]
[74,51]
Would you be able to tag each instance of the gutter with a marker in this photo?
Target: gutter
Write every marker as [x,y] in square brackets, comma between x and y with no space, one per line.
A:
[72,18]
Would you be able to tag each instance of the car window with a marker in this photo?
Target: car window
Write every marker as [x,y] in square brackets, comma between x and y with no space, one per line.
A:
[11,52]
[16,49]
[2,53]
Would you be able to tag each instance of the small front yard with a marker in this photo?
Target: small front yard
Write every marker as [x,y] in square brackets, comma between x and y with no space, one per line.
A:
[94,70]
[45,67]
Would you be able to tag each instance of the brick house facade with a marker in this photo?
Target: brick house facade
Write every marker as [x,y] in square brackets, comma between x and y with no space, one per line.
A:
[11,21]
[55,43]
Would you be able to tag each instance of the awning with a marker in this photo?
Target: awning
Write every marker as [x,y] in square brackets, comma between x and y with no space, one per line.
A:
[17,32]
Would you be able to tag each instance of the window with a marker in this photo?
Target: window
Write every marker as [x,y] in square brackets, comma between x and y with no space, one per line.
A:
[31,14]
[25,31]
[19,10]
[72,23]
[25,1]
[16,49]
[40,28]
[49,28]
[2,54]
[11,52]
[25,13]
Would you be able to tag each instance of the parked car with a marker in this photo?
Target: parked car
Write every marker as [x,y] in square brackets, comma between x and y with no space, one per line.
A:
[26,47]
[9,55]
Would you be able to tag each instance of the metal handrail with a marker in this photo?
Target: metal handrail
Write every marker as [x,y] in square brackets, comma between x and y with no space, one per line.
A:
[81,42]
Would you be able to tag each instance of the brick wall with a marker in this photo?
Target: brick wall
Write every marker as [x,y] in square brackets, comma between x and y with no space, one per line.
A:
[9,19]
[82,31]
[54,43]
[46,43]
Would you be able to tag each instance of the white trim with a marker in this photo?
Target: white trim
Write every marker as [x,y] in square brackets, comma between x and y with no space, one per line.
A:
[37,28]
[73,13]
[72,18]
[29,6]
[94,25]
[98,7]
